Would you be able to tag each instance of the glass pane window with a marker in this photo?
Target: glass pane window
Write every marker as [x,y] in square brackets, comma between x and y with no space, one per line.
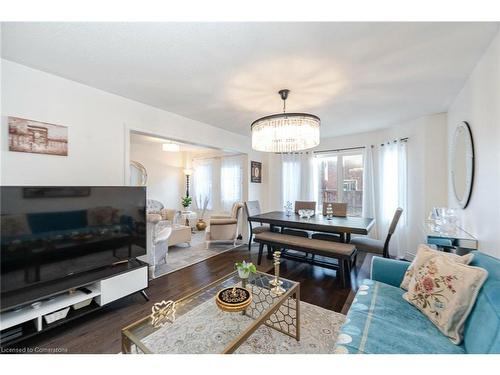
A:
[341,180]
[328,183]
[353,183]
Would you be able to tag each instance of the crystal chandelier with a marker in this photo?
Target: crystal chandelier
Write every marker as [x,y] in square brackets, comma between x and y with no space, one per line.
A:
[285,132]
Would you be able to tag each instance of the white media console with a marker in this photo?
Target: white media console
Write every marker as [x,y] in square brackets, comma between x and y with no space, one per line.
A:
[97,293]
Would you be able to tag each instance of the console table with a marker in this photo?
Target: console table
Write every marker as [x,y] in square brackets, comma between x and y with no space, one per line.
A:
[456,240]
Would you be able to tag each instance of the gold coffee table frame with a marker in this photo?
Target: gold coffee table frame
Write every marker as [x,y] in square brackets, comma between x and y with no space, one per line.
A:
[280,312]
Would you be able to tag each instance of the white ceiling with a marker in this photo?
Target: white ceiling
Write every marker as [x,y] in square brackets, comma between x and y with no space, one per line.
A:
[355,76]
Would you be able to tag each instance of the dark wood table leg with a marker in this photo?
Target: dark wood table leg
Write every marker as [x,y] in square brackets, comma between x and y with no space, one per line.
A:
[261,250]
[270,251]
[347,237]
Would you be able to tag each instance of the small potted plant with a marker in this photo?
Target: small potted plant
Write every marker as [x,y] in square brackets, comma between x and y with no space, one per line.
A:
[186,202]
[244,269]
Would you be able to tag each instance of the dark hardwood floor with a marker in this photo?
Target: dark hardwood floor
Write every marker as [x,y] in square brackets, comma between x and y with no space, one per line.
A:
[99,332]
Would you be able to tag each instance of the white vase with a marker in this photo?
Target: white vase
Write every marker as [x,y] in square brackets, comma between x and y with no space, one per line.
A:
[243,274]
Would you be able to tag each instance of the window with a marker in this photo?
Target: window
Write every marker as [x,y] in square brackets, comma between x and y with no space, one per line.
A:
[298,177]
[231,178]
[202,182]
[341,180]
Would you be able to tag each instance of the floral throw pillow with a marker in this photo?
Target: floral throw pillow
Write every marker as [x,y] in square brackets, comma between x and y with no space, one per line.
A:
[425,253]
[445,291]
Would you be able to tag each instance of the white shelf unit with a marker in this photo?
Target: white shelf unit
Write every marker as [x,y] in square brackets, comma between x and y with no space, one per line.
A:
[15,317]
[103,292]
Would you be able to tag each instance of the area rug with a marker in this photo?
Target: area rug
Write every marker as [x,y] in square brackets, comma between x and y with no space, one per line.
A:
[182,255]
[207,329]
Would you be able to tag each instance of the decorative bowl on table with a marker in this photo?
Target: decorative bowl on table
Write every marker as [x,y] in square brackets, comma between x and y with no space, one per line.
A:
[306,213]
[233,299]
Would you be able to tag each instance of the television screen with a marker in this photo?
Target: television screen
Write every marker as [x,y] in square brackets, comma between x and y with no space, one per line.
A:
[48,233]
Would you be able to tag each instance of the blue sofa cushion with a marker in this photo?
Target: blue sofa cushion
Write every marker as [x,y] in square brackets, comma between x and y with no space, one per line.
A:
[482,328]
[381,321]
[57,221]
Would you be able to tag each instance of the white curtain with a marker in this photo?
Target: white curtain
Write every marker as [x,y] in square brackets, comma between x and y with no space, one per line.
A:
[231,181]
[290,178]
[393,189]
[202,182]
[299,177]
[369,207]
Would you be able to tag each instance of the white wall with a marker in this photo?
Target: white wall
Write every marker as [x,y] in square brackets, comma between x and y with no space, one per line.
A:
[259,191]
[96,122]
[478,103]
[166,180]
[427,167]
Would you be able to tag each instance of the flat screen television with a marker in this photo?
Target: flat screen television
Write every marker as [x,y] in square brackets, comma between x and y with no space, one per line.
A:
[55,233]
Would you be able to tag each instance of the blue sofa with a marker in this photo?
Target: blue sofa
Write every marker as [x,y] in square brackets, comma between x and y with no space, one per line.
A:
[381,321]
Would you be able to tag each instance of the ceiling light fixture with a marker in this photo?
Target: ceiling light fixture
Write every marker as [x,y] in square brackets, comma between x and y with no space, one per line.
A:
[172,147]
[285,132]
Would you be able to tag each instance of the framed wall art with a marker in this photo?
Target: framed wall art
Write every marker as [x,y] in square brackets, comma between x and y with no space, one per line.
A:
[256,172]
[37,137]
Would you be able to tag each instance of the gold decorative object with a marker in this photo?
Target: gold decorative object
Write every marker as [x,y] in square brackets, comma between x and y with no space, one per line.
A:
[276,282]
[233,299]
[161,312]
[201,225]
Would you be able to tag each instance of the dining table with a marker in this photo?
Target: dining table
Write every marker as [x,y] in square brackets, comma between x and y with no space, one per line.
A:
[345,226]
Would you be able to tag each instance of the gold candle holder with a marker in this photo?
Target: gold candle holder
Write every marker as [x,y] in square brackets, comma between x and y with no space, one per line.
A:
[276,282]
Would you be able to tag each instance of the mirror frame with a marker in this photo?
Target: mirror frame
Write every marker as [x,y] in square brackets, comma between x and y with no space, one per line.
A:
[142,170]
[469,164]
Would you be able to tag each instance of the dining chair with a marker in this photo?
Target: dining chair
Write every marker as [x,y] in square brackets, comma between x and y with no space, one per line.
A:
[305,205]
[300,205]
[371,245]
[338,209]
[252,208]
[334,237]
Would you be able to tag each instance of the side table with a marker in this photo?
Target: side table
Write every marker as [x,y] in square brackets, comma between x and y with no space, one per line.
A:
[189,218]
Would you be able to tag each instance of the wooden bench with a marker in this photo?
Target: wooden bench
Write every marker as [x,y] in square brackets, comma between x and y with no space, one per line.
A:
[344,253]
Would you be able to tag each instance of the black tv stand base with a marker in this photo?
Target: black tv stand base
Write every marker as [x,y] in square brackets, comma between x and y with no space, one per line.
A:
[145,295]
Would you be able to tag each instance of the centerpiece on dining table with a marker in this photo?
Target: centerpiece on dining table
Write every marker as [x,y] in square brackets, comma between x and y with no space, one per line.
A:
[306,213]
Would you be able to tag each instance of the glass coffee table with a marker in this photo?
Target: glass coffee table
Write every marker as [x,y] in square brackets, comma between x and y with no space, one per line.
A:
[195,324]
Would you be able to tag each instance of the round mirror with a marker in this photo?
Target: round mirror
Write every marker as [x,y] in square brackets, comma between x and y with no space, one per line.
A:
[462,164]
[138,174]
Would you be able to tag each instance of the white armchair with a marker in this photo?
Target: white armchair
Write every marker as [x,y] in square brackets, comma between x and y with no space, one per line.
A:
[169,215]
[158,233]
[224,228]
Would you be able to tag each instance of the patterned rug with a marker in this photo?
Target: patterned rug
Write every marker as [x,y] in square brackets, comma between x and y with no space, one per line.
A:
[182,255]
[207,329]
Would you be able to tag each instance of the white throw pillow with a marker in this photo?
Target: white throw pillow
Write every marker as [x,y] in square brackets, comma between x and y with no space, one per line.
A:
[424,254]
[445,291]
